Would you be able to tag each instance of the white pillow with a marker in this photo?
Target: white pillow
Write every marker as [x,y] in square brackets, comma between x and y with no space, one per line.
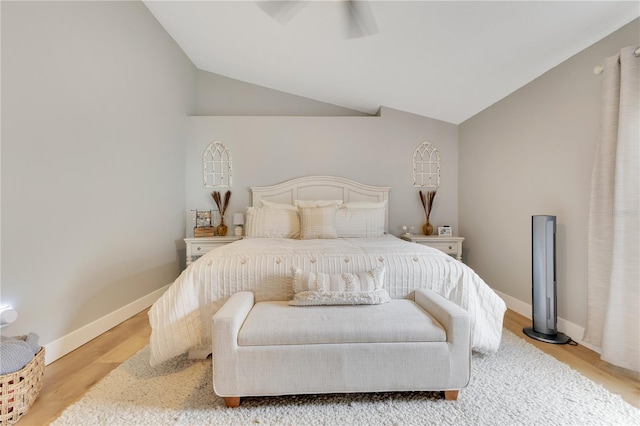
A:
[360,222]
[317,203]
[265,222]
[312,288]
[275,205]
[366,204]
[317,222]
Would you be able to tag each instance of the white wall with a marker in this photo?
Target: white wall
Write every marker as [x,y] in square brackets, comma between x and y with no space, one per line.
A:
[532,153]
[373,150]
[98,154]
[94,102]
[218,95]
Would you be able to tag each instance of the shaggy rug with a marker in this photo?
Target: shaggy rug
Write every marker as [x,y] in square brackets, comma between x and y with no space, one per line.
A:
[520,385]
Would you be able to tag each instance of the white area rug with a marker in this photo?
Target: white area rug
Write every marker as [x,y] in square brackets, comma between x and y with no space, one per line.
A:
[520,385]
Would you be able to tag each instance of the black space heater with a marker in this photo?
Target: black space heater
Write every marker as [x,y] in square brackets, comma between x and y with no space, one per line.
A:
[543,258]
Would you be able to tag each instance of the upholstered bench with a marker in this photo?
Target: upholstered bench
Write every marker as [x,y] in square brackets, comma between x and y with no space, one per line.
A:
[271,348]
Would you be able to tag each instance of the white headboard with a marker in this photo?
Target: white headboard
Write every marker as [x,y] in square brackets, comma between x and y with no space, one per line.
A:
[321,188]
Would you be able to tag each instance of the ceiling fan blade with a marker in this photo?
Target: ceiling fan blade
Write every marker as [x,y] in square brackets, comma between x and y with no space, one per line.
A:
[282,11]
[361,19]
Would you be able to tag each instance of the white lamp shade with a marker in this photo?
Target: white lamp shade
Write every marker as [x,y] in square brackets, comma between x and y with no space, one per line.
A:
[238,219]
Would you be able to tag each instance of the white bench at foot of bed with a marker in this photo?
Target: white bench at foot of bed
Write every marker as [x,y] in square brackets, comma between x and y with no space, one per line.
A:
[271,348]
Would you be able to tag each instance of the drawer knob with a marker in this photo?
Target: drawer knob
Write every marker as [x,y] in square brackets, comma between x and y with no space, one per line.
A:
[450,248]
[199,249]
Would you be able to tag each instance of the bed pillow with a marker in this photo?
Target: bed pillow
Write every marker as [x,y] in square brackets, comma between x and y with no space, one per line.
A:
[315,288]
[317,203]
[317,222]
[366,204]
[361,221]
[274,205]
[265,222]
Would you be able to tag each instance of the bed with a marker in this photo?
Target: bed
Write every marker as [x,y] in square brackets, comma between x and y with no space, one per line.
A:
[352,239]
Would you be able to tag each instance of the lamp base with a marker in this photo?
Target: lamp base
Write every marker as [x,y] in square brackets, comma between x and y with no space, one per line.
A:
[558,338]
[238,231]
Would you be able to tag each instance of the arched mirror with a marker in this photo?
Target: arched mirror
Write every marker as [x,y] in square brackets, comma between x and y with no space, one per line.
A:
[216,165]
[426,166]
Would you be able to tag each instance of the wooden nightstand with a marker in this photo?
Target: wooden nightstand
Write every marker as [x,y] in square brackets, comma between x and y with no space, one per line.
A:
[196,247]
[449,245]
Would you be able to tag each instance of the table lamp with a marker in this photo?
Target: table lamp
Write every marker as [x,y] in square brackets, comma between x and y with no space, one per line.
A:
[238,221]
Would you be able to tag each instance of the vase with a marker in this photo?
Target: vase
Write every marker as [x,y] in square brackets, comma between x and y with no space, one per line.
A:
[222,228]
[427,228]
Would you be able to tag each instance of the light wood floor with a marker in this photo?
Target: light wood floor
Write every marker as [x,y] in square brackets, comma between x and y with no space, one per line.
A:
[68,378]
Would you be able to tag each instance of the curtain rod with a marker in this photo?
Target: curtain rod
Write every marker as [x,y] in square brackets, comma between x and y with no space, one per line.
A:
[600,68]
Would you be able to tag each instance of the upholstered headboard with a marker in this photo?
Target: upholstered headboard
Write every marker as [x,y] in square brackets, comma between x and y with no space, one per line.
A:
[321,188]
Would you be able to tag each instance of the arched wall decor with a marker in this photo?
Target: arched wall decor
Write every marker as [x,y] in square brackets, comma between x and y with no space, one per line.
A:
[216,166]
[426,166]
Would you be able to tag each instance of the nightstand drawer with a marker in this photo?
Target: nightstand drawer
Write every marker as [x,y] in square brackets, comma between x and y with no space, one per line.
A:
[203,248]
[198,246]
[449,245]
[449,248]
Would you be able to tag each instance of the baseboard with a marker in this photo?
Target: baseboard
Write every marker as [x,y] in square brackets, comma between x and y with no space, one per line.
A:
[75,339]
[572,330]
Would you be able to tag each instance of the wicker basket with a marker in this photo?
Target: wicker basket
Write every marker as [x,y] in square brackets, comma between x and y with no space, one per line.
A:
[19,390]
[204,231]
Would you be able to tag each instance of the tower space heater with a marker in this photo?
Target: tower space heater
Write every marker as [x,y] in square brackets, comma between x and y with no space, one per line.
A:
[543,258]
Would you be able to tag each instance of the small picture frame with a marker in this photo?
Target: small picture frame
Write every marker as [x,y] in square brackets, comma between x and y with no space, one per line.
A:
[203,218]
[444,231]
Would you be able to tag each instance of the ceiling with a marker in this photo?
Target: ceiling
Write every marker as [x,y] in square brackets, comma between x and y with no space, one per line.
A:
[444,60]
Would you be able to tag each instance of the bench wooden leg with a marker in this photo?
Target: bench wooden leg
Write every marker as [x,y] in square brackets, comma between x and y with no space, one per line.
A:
[451,395]
[232,401]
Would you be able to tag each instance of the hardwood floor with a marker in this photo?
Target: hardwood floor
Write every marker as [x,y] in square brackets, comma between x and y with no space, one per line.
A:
[617,380]
[68,378]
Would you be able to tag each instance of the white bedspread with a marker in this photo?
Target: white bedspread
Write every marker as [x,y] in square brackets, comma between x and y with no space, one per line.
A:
[181,318]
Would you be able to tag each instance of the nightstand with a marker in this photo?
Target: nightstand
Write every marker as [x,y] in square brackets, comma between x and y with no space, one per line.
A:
[196,247]
[449,245]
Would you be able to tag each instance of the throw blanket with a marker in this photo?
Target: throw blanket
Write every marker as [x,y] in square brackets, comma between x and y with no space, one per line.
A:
[181,318]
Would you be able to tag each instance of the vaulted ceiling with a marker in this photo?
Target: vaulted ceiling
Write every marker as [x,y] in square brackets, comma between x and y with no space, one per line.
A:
[444,60]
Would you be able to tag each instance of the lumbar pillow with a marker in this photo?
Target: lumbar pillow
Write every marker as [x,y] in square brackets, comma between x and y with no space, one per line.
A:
[315,288]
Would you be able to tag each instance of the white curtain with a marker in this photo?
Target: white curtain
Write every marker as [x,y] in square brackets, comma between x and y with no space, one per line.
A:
[613,252]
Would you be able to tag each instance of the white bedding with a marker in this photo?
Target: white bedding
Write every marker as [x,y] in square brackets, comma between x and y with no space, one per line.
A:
[181,318]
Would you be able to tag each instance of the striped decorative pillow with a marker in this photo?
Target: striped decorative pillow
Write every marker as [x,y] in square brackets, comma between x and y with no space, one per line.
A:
[317,222]
[315,288]
[360,222]
[265,222]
